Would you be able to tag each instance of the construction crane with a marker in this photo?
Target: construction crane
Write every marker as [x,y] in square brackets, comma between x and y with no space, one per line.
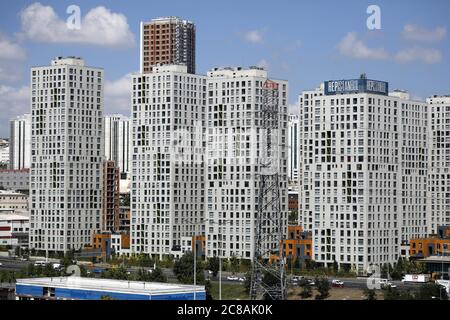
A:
[269,226]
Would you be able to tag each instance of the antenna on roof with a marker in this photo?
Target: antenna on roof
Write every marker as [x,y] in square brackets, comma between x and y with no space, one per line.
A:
[363,76]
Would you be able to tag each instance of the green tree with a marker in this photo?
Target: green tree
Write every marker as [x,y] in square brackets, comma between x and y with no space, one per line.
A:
[213,265]
[234,264]
[248,281]
[432,291]
[306,289]
[370,294]
[208,287]
[184,269]
[157,275]
[270,280]
[323,286]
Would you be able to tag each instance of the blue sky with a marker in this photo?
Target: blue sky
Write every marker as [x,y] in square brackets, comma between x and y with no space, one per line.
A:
[305,42]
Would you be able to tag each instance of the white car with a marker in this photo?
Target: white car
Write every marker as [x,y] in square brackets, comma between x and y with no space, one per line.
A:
[242,279]
[232,278]
[1,264]
[337,283]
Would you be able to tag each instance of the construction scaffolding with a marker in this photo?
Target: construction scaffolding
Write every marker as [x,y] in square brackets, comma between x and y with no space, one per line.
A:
[268,280]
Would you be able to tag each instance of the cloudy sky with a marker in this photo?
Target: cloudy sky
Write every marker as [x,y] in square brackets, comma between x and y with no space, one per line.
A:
[305,42]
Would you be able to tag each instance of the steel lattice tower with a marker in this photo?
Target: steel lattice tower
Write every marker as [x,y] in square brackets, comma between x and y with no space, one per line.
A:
[269,222]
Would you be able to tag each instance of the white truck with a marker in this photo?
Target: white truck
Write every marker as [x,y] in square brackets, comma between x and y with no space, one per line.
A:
[418,278]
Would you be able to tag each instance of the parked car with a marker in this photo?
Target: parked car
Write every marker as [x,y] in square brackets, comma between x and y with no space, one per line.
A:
[388,285]
[417,278]
[1,264]
[232,278]
[311,282]
[40,264]
[23,259]
[242,279]
[337,283]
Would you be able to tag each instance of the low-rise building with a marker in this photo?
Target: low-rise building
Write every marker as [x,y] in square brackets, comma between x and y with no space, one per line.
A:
[15,180]
[13,200]
[77,288]
[14,230]
[436,244]
[297,246]
[107,244]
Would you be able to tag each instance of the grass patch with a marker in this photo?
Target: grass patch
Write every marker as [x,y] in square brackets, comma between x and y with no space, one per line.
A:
[230,291]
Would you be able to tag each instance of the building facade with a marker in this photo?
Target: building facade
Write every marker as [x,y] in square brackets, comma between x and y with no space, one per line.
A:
[167,172]
[15,180]
[66,154]
[293,149]
[234,149]
[110,197]
[117,142]
[363,179]
[439,162]
[165,41]
[14,229]
[20,143]
[14,201]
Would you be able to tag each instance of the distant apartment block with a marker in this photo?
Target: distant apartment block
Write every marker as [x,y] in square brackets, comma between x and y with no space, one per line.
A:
[439,162]
[13,201]
[20,143]
[117,142]
[168,40]
[363,177]
[66,154]
[15,180]
[234,148]
[167,172]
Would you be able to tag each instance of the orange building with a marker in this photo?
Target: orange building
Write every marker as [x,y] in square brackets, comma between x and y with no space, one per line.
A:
[199,241]
[437,244]
[297,246]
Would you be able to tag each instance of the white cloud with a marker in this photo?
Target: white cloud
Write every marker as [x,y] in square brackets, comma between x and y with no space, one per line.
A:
[100,27]
[418,33]
[118,96]
[13,102]
[429,56]
[10,50]
[351,46]
[254,36]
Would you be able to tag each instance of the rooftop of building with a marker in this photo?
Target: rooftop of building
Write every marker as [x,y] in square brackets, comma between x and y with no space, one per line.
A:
[109,285]
[167,19]
[12,216]
[11,193]
[68,61]
[436,259]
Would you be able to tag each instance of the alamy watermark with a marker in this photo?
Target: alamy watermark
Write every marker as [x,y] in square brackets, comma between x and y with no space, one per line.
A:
[374,20]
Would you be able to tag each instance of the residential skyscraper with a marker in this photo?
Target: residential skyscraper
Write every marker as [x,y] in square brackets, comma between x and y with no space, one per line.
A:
[363,173]
[234,149]
[167,171]
[20,143]
[293,148]
[439,162]
[117,142]
[66,154]
[167,40]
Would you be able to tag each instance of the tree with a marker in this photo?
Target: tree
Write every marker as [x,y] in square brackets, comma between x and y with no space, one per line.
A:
[431,291]
[306,289]
[335,266]
[184,269]
[234,264]
[213,265]
[248,281]
[370,294]
[157,275]
[323,286]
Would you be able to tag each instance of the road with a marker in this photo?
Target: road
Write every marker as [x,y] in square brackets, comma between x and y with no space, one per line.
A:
[11,264]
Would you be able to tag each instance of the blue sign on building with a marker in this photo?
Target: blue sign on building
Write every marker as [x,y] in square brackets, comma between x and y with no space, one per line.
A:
[362,85]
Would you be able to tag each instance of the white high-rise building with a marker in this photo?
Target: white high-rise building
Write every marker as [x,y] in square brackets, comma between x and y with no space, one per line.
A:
[363,172]
[293,148]
[20,143]
[234,149]
[66,154]
[167,170]
[117,142]
[439,162]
